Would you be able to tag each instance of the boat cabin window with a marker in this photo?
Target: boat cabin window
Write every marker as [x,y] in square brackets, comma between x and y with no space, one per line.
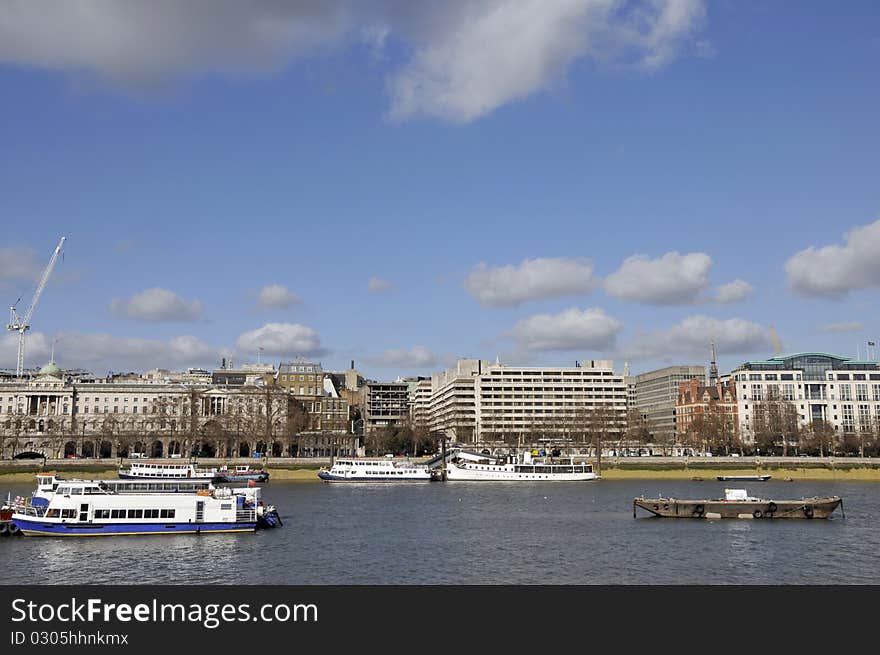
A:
[76,491]
[68,513]
[166,513]
[64,491]
[117,513]
[102,513]
[135,513]
[151,513]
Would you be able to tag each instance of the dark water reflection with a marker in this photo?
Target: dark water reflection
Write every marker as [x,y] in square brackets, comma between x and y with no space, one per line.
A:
[482,533]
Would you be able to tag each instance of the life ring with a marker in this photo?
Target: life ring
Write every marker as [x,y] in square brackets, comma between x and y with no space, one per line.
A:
[758,514]
[771,507]
[14,530]
[4,529]
[808,511]
[698,511]
[656,506]
[665,505]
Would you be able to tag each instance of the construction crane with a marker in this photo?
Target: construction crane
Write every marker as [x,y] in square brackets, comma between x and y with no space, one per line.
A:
[776,345]
[22,324]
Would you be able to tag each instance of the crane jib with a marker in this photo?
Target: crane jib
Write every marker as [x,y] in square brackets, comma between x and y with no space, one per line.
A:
[23,324]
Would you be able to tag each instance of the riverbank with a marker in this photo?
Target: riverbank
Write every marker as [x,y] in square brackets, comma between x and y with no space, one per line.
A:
[637,469]
[842,474]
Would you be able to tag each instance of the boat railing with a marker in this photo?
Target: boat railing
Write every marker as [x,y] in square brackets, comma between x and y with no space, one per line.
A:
[245,515]
[27,509]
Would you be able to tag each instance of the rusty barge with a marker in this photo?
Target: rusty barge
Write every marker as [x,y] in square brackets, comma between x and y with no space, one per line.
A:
[737,504]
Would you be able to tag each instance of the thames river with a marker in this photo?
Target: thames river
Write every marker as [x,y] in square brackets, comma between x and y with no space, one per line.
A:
[482,533]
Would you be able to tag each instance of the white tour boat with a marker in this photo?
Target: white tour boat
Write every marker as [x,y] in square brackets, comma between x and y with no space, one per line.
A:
[463,465]
[60,507]
[159,470]
[380,469]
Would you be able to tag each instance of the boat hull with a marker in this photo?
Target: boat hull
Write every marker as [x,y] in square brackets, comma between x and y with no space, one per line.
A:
[743,478]
[256,477]
[808,508]
[497,474]
[330,477]
[37,528]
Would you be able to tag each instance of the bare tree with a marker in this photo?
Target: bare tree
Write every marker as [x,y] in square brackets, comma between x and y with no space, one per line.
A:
[775,419]
[820,436]
[602,422]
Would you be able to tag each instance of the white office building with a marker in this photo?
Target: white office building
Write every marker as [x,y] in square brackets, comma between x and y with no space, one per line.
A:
[478,401]
[838,390]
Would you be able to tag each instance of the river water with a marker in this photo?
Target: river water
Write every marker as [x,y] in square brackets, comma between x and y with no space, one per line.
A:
[482,533]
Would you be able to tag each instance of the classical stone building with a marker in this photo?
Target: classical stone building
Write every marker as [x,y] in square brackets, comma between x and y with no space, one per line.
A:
[55,416]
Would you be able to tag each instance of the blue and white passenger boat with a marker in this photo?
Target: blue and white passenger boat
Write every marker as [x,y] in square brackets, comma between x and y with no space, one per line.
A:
[60,507]
[365,469]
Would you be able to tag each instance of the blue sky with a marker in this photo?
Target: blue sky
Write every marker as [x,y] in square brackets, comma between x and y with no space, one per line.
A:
[539,182]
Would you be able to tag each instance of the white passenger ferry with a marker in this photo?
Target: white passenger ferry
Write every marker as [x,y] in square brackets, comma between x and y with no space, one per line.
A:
[60,507]
[469,466]
[364,469]
[159,470]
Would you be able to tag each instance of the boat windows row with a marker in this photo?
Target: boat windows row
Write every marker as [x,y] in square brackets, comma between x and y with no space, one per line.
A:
[115,513]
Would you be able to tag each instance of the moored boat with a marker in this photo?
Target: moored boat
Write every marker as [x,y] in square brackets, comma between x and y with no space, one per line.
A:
[738,504]
[160,470]
[743,478]
[466,466]
[241,474]
[89,508]
[379,469]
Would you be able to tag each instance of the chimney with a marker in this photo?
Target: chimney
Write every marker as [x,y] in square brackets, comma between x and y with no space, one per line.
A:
[352,365]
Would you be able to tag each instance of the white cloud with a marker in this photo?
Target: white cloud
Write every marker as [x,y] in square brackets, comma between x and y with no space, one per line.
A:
[732,292]
[378,285]
[18,264]
[415,357]
[833,271]
[533,279]
[482,55]
[283,339]
[277,295]
[462,59]
[692,335]
[99,351]
[671,279]
[572,329]
[851,326]
[157,304]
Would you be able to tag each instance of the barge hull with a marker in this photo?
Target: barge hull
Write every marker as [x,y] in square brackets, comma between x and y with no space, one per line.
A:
[42,529]
[810,508]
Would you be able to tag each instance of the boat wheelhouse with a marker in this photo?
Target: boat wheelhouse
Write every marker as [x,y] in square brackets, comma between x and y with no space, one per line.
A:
[158,470]
[380,469]
[467,466]
[61,507]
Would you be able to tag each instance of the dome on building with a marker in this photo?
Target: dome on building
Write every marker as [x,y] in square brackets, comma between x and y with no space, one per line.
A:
[51,369]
